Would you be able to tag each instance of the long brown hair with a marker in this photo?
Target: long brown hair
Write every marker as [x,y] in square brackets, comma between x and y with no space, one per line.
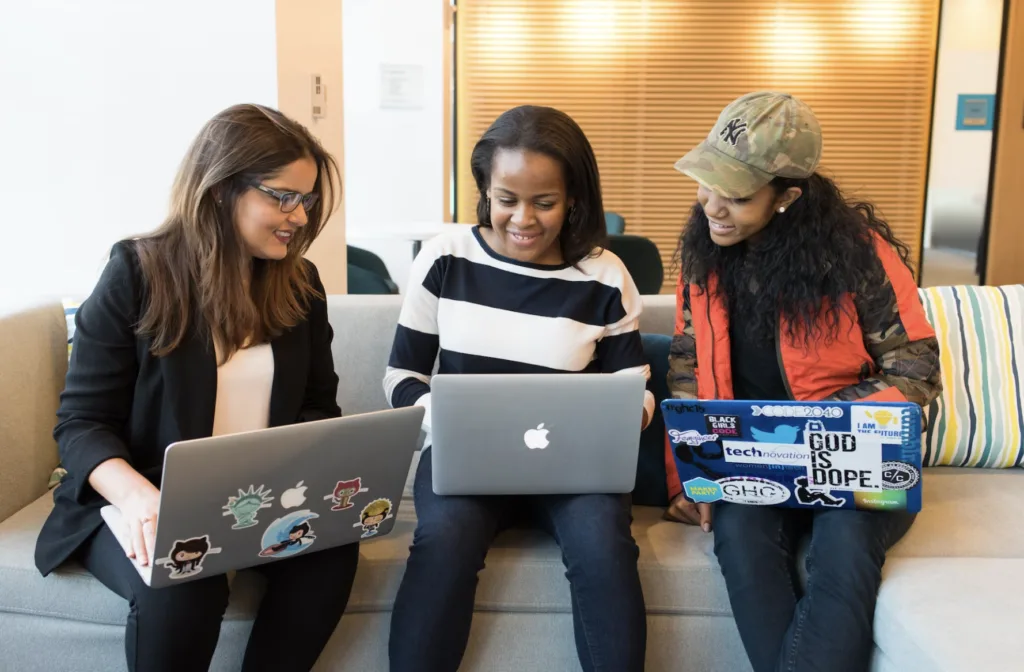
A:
[197,270]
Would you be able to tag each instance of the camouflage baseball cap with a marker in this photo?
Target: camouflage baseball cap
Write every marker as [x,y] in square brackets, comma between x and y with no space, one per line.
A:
[758,137]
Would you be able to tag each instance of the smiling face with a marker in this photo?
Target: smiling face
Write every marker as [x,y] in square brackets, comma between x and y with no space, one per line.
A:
[734,220]
[528,206]
[263,227]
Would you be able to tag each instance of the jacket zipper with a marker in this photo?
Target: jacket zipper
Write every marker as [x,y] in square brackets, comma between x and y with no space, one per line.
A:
[711,325]
[778,355]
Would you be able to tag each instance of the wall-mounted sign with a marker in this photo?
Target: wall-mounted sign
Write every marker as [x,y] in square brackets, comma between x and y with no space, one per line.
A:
[974,112]
[401,87]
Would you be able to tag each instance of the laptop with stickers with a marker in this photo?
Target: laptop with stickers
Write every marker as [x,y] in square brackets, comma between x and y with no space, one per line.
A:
[796,454]
[531,434]
[238,500]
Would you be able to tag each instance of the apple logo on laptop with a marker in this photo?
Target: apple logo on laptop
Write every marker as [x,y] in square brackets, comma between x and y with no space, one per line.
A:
[536,439]
[293,497]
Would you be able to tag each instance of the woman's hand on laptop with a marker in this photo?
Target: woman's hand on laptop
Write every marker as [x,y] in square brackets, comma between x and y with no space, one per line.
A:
[136,499]
[681,510]
[139,512]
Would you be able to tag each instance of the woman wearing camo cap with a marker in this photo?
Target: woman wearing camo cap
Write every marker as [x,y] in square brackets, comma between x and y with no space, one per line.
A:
[830,311]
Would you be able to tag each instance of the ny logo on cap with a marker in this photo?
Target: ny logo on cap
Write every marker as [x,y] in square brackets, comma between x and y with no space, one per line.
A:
[733,130]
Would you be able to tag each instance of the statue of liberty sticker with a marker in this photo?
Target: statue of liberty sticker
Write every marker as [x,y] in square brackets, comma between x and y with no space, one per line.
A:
[246,505]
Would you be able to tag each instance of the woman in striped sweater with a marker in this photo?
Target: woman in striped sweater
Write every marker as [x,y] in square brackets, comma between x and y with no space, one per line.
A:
[528,290]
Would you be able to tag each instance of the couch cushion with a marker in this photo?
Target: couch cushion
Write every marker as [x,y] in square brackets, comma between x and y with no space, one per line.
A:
[33,361]
[71,592]
[524,570]
[967,513]
[978,420]
[950,614]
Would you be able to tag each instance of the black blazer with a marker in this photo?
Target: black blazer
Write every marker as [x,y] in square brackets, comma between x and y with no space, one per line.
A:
[121,401]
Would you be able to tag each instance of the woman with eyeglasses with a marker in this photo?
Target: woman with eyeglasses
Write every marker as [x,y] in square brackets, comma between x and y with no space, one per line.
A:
[213,324]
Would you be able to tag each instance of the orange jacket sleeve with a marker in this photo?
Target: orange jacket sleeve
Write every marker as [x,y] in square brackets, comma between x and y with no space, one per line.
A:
[898,337]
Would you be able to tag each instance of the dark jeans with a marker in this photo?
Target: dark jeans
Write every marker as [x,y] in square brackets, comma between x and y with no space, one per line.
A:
[176,628]
[828,626]
[432,614]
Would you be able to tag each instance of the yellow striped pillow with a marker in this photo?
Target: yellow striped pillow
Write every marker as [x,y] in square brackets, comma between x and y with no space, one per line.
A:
[978,421]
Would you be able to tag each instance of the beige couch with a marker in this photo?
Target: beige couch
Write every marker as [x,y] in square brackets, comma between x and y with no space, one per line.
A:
[952,598]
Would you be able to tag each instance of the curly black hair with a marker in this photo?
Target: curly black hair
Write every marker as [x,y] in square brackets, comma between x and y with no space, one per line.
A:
[553,133]
[805,260]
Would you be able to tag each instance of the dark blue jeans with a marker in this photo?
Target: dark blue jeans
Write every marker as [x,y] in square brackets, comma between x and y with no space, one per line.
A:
[434,607]
[828,626]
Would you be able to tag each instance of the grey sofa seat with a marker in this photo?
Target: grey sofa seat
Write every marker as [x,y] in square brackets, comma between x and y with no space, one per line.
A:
[525,575]
[951,593]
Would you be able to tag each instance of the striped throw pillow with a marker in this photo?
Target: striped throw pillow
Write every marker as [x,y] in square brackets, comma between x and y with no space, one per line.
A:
[978,421]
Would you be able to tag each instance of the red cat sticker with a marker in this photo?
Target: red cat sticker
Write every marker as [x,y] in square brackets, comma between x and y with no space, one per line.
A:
[344,491]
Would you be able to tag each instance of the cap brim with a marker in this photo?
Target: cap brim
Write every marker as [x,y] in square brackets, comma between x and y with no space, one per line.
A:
[721,173]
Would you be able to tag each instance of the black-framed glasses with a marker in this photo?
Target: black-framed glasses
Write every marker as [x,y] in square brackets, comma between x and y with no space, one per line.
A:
[289,200]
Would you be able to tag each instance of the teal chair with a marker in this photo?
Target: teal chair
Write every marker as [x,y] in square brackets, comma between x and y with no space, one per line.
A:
[615,223]
[642,259]
[367,273]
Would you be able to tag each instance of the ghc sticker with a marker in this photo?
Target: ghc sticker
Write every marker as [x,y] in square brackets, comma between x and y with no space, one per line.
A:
[752,490]
[702,490]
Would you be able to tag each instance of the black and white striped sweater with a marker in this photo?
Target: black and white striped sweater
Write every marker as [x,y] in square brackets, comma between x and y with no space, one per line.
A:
[486,313]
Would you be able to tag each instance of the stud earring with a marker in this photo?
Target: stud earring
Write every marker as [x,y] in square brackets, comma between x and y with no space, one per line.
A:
[782,209]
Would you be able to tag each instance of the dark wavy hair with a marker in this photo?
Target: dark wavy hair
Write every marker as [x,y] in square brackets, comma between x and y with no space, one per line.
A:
[553,133]
[804,262]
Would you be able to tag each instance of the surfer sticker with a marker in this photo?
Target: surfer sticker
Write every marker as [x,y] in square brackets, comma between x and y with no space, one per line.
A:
[288,535]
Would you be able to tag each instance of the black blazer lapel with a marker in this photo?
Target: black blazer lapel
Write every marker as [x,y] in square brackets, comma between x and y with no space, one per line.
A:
[190,373]
[291,364]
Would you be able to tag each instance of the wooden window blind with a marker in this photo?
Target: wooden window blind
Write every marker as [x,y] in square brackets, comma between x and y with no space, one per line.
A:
[646,80]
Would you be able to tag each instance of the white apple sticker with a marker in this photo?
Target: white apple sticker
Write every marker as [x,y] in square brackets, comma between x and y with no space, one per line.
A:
[293,497]
[536,439]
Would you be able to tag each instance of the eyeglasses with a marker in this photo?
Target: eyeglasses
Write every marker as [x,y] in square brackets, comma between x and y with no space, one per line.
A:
[289,199]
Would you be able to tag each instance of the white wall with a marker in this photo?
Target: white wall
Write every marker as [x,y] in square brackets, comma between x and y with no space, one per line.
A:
[100,100]
[968,63]
[308,43]
[394,158]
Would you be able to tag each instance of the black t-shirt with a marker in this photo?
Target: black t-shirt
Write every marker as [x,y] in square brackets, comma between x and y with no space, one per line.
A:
[755,367]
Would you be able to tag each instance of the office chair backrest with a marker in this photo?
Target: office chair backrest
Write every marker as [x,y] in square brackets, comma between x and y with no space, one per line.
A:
[357,256]
[642,259]
[614,222]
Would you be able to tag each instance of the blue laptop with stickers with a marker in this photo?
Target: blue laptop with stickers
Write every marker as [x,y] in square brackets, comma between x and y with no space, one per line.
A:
[809,455]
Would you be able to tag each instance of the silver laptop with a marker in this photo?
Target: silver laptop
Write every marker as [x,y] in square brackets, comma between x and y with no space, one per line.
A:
[234,501]
[531,434]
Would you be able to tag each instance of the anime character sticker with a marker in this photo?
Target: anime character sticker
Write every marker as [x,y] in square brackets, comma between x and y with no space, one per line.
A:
[374,513]
[344,491]
[288,535]
[246,505]
[187,555]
